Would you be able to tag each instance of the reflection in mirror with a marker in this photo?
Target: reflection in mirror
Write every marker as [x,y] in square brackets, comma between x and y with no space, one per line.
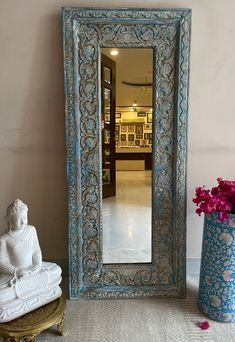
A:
[126,94]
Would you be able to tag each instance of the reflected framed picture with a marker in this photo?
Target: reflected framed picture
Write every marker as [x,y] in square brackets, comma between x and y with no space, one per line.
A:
[131,143]
[117,136]
[137,143]
[131,137]
[106,176]
[149,117]
[123,137]
[131,128]
[107,117]
[141,114]
[106,136]
[117,128]
[123,143]
[139,129]
[118,115]
[150,135]
[148,127]
[146,136]
[123,128]
[139,136]
[150,141]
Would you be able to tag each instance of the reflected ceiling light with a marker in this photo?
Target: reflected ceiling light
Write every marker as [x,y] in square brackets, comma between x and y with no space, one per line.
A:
[130,233]
[134,106]
[114,52]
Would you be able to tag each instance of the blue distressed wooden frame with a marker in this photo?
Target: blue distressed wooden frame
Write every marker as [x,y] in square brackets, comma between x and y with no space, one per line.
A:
[86,30]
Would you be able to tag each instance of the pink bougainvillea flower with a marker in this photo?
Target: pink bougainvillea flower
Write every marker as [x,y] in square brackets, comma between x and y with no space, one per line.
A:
[214,191]
[212,204]
[199,211]
[204,325]
[227,188]
[223,216]
[201,195]
[219,199]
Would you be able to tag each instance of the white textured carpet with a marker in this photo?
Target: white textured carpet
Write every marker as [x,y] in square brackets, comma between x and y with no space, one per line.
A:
[139,320]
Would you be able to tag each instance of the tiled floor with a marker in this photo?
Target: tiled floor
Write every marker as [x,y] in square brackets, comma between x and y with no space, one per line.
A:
[127,219]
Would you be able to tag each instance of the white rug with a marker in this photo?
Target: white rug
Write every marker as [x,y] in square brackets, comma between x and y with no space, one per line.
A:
[139,320]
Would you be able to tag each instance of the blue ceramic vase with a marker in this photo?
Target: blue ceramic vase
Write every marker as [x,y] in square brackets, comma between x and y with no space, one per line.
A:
[216,296]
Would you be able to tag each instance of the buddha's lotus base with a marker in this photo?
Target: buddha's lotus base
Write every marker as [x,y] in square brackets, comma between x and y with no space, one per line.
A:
[19,307]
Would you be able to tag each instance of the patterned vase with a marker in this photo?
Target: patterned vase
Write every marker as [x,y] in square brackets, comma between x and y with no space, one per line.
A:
[216,296]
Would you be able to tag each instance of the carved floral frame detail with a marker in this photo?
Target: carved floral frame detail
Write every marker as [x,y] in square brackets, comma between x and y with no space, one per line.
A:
[167,32]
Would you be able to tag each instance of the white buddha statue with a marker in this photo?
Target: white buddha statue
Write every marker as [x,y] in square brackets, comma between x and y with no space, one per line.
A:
[26,282]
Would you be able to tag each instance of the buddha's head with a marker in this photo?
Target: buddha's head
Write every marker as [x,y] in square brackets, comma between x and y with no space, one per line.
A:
[17,215]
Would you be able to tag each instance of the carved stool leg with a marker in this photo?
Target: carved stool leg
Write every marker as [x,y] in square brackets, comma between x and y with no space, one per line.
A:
[31,338]
[60,325]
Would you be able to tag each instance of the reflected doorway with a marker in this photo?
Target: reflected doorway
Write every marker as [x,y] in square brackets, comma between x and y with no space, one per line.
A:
[108,108]
[127,154]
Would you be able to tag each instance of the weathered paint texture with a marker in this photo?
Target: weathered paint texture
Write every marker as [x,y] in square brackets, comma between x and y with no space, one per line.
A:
[168,33]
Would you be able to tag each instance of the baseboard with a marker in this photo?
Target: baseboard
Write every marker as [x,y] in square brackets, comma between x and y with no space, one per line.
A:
[193,266]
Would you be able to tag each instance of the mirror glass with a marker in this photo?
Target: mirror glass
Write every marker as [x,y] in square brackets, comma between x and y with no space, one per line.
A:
[127,101]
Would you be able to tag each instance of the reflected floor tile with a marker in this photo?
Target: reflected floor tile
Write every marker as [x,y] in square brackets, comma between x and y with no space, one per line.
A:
[127,219]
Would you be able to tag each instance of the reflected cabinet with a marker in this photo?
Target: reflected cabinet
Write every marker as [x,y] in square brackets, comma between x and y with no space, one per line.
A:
[111,111]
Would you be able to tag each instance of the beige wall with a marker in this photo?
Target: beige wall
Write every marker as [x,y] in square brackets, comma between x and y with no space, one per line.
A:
[32,130]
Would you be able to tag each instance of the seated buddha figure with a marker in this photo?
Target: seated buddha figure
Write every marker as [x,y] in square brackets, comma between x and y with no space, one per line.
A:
[26,282]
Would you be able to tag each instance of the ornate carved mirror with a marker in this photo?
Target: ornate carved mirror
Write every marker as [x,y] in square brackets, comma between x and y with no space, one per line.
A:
[90,131]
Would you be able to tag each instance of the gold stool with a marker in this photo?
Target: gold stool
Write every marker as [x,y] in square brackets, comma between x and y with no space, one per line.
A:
[27,327]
